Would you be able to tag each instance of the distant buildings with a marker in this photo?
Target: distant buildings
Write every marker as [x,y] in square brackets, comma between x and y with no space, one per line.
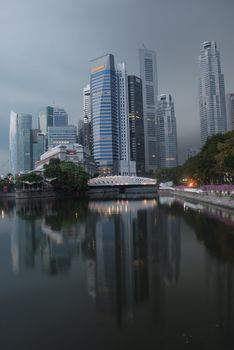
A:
[211,92]
[230,111]
[167,134]
[136,123]
[148,74]
[192,152]
[20,142]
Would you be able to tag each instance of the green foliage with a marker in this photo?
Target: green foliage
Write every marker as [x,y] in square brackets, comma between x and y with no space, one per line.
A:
[214,163]
[30,177]
[68,177]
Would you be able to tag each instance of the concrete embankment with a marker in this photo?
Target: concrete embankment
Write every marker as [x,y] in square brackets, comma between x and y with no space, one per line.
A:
[219,200]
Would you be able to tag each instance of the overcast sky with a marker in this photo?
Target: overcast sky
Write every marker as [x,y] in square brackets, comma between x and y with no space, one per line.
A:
[46,46]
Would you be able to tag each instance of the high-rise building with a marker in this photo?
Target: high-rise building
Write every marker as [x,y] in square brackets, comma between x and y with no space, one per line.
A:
[87,125]
[167,132]
[45,119]
[136,123]
[38,145]
[148,74]
[126,166]
[230,111]
[211,92]
[20,144]
[61,135]
[60,117]
[104,114]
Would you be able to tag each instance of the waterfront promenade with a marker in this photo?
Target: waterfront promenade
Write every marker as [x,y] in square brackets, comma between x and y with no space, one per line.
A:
[217,198]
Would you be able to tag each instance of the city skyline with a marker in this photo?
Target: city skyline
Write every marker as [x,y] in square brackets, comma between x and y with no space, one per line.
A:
[31,79]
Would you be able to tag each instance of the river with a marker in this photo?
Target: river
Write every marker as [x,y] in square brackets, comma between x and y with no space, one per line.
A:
[151,274]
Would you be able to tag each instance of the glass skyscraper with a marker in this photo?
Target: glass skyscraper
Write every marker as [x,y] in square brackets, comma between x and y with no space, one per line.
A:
[136,123]
[60,117]
[211,92]
[46,119]
[148,74]
[167,134]
[104,114]
[61,135]
[230,111]
[20,142]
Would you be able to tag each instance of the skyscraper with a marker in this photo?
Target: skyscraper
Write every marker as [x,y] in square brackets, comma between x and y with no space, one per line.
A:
[136,123]
[211,92]
[126,166]
[61,135]
[167,132]
[38,145]
[148,74]
[20,144]
[230,111]
[60,117]
[87,127]
[46,119]
[104,114]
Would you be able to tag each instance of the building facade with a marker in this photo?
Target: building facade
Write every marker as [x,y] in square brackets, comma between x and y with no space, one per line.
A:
[87,125]
[45,119]
[136,123]
[211,92]
[60,117]
[148,74]
[61,135]
[167,134]
[38,145]
[230,111]
[20,142]
[104,114]
[126,166]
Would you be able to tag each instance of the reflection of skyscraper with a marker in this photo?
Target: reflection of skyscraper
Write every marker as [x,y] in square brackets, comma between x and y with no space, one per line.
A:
[22,244]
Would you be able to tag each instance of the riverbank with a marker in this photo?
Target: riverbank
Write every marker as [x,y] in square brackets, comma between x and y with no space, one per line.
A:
[222,201]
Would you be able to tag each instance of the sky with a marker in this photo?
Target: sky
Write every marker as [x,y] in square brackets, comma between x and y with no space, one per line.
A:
[46,47]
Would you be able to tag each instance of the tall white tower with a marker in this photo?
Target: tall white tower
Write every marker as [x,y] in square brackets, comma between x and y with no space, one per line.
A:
[126,166]
[211,92]
[148,74]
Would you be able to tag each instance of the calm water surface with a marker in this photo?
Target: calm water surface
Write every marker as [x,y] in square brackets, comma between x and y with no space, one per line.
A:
[153,274]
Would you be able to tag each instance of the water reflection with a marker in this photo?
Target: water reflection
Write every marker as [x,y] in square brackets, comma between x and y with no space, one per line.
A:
[142,259]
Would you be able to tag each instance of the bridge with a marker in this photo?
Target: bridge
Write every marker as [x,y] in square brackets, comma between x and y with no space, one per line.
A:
[119,180]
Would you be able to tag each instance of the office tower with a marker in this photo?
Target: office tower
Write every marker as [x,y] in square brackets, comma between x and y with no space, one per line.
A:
[126,166]
[80,134]
[20,142]
[148,74]
[38,145]
[211,92]
[136,123]
[167,132]
[230,111]
[87,127]
[45,119]
[60,117]
[104,114]
[61,135]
